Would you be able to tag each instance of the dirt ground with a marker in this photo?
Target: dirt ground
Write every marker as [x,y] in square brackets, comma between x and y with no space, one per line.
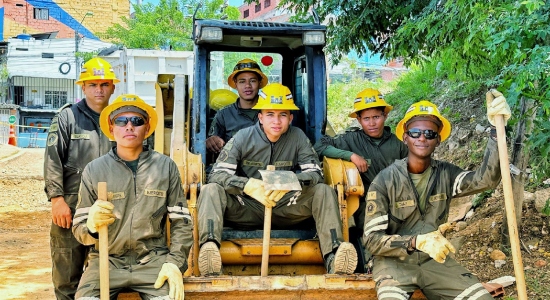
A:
[25,267]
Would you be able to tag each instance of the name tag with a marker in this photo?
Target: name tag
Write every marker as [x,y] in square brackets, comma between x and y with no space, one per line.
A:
[403,204]
[117,195]
[80,136]
[155,193]
[283,164]
[252,163]
[371,196]
[438,197]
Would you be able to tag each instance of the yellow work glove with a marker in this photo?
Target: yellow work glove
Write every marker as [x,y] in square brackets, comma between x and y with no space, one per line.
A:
[101,213]
[497,106]
[255,189]
[435,244]
[275,195]
[172,273]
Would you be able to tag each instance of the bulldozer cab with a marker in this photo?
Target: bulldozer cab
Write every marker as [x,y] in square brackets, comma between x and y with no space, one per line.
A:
[288,53]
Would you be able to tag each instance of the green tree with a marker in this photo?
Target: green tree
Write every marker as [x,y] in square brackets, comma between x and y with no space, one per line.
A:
[166,25]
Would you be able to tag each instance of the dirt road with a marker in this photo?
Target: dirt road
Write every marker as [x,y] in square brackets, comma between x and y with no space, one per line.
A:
[25,264]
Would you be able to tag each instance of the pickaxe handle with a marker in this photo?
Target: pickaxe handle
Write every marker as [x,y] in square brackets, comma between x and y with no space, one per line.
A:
[267,236]
[103,231]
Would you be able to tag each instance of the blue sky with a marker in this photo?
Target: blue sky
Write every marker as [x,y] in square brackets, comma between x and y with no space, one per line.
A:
[235,3]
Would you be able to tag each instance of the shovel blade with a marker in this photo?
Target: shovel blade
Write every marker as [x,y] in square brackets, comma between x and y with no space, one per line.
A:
[280,180]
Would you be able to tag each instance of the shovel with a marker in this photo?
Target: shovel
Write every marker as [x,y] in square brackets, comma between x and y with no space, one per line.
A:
[274,180]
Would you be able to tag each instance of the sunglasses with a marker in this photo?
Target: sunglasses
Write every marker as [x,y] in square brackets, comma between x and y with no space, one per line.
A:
[246,66]
[122,121]
[428,133]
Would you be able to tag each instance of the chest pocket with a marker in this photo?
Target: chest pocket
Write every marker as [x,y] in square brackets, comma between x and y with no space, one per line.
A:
[438,203]
[402,209]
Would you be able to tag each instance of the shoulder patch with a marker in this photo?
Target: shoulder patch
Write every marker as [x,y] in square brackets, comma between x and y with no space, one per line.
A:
[371,207]
[52,138]
[229,145]
[223,155]
[54,127]
[371,196]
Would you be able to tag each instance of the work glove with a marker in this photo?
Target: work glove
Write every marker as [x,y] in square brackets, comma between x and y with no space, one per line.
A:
[255,189]
[101,213]
[497,105]
[172,273]
[435,244]
[275,195]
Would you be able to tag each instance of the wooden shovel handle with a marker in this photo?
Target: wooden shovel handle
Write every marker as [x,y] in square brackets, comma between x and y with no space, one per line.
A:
[103,248]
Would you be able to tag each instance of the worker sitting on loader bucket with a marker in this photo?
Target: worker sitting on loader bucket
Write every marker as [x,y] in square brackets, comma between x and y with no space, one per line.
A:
[247,78]
[235,193]
[371,148]
[145,190]
[408,204]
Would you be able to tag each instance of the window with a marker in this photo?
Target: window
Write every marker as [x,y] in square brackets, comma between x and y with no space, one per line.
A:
[258,7]
[246,13]
[41,14]
[267,3]
[55,98]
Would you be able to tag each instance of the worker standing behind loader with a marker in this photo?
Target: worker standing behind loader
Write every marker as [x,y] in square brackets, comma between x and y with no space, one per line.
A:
[371,148]
[74,139]
[146,191]
[235,194]
[408,204]
[247,78]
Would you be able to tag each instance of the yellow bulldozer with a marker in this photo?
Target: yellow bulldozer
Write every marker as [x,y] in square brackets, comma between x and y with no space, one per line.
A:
[292,54]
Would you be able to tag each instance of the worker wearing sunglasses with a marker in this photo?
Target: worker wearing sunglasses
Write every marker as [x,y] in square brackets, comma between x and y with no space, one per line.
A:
[145,190]
[408,206]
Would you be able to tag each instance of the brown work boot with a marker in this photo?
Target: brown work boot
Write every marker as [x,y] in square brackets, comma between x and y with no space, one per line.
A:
[344,261]
[210,260]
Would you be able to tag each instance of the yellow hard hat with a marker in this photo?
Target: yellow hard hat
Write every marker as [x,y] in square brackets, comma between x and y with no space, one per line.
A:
[97,69]
[221,97]
[246,65]
[420,108]
[275,96]
[369,98]
[123,101]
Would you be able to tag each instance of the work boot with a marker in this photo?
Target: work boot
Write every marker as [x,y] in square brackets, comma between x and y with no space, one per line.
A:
[344,261]
[210,260]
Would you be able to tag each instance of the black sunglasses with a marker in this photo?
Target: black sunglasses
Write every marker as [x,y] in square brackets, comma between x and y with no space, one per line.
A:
[249,65]
[122,121]
[428,133]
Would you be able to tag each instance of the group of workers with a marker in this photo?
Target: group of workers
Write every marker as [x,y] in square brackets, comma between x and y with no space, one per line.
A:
[401,217]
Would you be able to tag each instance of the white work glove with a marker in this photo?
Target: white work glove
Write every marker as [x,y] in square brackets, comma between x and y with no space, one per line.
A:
[101,213]
[172,273]
[275,195]
[497,105]
[255,189]
[435,244]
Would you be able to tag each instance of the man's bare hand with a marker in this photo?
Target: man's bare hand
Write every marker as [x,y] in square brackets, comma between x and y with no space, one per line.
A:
[61,212]
[214,144]
[361,164]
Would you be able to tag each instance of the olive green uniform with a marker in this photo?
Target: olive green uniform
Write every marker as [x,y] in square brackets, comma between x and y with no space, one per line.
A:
[379,153]
[231,119]
[223,201]
[393,217]
[74,139]
[137,239]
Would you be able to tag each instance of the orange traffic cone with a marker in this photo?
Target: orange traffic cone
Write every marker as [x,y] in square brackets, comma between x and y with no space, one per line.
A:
[12,139]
